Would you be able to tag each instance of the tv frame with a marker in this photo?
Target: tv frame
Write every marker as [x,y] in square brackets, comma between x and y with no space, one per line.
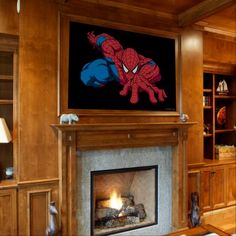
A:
[63,67]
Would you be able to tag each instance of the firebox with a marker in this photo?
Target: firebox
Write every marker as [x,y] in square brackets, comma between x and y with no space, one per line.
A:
[123,199]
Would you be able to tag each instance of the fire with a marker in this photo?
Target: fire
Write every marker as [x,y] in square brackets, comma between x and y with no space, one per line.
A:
[115,201]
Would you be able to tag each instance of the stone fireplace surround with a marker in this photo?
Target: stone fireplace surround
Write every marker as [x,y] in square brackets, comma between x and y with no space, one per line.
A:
[76,140]
[128,158]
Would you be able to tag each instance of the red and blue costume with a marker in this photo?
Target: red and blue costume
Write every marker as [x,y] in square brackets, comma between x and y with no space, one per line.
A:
[133,71]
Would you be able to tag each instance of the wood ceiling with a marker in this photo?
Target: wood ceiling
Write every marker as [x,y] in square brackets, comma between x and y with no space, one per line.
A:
[217,16]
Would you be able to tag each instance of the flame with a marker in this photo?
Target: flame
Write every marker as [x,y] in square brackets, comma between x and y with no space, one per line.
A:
[115,201]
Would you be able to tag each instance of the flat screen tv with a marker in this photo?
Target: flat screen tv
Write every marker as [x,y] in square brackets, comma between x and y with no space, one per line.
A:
[116,69]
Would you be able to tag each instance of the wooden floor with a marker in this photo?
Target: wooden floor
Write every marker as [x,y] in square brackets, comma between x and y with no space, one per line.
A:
[224,219]
[200,230]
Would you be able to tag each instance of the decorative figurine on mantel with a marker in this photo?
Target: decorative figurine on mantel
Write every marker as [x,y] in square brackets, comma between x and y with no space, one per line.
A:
[222,88]
[69,118]
[183,117]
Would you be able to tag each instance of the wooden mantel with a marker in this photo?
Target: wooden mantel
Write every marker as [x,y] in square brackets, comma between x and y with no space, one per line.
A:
[81,137]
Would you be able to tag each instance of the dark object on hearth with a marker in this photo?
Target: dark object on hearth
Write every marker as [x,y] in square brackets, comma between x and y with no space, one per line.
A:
[195,210]
[52,229]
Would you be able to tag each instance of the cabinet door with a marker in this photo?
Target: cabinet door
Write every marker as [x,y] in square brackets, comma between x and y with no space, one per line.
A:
[218,188]
[213,188]
[231,185]
[8,214]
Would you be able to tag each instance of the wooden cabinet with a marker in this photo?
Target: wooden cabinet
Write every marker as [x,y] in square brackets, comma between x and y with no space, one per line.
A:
[8,212]
[219,107]
[217,186]
[212,188]
[8,84]
[231,185]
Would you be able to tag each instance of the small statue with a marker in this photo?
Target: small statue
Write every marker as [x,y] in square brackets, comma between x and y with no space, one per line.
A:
[184,117]
[68,118]
[222,88]
[206,129]
[52,228]
[195,210]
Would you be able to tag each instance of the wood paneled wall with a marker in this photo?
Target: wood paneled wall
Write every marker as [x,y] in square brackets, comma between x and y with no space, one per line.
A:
[191,90]
[37,27]
[38,81]
[38,71]
[219,49]
[9,23]
[37,89]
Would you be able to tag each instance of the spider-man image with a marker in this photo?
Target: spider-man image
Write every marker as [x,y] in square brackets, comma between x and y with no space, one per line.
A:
[135,72]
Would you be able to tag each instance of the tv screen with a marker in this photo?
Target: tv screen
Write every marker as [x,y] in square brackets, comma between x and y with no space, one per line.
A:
[120,70]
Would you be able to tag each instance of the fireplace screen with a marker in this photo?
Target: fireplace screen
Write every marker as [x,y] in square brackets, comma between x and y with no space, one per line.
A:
[123,199]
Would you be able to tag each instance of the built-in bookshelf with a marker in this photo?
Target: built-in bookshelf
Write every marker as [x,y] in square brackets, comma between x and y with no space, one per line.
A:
[8,77]
[219,111]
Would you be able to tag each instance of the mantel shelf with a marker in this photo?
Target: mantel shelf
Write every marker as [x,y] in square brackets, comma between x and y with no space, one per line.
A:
[122,135]
[122,126]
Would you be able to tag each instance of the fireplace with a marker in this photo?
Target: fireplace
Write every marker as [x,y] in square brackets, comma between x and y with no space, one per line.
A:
[123,199]
[89,151]
[142,173]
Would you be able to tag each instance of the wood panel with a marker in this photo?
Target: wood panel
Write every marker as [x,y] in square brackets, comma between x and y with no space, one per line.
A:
[115,12]
[37,204]
[219,49]
[168,6]
[218,194]
[231,185]
[193,185]
[8,212]
[38,90]
[33,200]
[205,200]
[224,22]
[202,10]
[192,85]
[9,23]
[213,188]
[126,139]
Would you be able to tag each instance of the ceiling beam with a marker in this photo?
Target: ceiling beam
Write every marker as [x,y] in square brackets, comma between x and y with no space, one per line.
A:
[202,10]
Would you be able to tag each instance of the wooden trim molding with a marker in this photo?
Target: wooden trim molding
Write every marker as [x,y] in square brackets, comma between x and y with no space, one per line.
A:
[214,67]
[109,115]
[202,10]
[79,137]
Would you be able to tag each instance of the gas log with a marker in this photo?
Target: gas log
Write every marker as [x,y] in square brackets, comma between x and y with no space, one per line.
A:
[130,213]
